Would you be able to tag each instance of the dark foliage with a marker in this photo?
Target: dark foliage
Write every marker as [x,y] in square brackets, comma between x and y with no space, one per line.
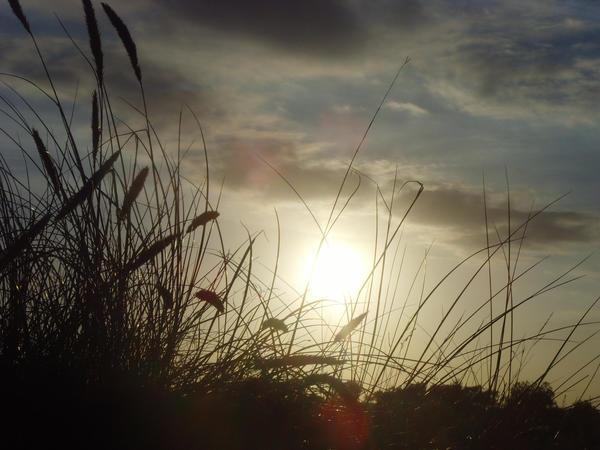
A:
[453,416]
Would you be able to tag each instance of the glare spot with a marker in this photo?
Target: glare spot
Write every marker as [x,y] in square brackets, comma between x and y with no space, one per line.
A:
[338,273]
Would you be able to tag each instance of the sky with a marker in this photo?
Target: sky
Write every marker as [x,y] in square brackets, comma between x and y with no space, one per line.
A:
[501,94]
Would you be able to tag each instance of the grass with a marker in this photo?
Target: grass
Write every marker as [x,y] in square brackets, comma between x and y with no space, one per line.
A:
[125,320]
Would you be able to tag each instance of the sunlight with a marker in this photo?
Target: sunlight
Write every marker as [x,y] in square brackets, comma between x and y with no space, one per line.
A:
[338,274]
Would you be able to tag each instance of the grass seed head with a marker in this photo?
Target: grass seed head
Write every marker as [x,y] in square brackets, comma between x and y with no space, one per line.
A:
[14,249]
[149,253]
[275,324]
[211,298]
[202,220]
[16,8]
[136,187]
[349,327]
[94,35]
[126,39]
[47,161]
[77,198]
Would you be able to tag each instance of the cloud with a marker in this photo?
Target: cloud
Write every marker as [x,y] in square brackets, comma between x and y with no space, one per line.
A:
[528,62]
[403,16]
[242,164]
[460,213]
[256,73]
[408,107]
[318,27]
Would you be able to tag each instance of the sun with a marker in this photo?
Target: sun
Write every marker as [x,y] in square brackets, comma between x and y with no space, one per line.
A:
[338,274]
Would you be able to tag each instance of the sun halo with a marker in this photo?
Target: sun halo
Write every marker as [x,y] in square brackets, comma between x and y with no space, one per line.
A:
[338,273]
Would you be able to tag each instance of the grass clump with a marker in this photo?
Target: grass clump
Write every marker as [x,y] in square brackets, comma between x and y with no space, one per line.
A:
[105,270]
[125,322]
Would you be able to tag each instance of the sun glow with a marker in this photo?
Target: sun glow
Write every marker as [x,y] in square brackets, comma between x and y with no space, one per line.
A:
[338,272]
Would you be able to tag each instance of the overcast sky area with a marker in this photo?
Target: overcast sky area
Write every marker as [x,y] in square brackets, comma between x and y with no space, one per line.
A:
[492,87]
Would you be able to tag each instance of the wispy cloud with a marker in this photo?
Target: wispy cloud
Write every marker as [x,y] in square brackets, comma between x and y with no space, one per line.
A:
[408,107]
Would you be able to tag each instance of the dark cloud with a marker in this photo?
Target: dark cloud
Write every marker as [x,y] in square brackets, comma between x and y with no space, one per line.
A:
[399,15]
[462,214]
[312,26]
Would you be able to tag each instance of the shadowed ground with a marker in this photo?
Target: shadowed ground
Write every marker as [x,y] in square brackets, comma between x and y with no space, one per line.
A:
[46,408]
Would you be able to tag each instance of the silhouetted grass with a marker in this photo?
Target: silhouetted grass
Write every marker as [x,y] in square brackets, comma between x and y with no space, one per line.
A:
[126,322]
[453,416]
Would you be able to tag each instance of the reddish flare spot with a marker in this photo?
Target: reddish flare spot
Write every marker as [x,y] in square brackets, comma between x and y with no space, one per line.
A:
[347,423]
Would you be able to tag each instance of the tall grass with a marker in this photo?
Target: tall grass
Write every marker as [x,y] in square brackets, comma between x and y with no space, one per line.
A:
[103,270]
[113,265]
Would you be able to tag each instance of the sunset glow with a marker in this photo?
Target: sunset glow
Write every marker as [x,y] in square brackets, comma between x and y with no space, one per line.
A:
[338,273]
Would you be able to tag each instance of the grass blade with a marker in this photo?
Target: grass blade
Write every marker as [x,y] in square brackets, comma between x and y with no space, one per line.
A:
[95,126]
[298,360]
